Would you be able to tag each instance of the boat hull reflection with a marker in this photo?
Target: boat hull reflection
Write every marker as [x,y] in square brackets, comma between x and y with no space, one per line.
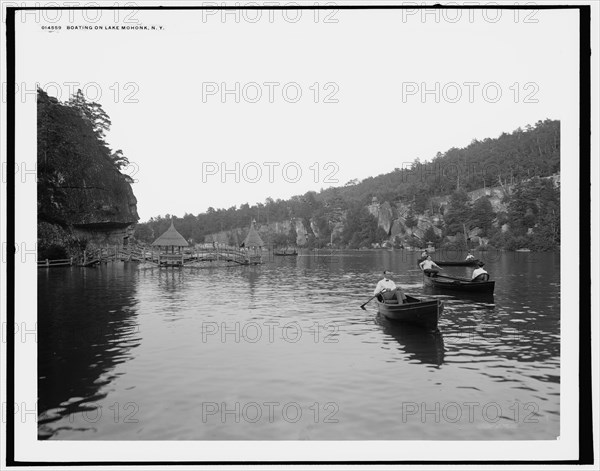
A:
[424,345]
[485,298]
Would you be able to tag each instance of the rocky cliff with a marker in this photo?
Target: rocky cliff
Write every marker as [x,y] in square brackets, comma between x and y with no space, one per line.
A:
[83,198]
[96,208]
[266,231]
[397,220]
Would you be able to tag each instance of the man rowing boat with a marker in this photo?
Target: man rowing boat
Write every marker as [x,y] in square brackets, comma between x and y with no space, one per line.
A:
[480,274]
[428,266]
[388,289]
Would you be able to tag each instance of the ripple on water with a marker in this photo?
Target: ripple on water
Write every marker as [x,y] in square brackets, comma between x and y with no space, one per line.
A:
[165,344]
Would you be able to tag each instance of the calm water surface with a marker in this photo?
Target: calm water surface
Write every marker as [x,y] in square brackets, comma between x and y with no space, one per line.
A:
[283,351]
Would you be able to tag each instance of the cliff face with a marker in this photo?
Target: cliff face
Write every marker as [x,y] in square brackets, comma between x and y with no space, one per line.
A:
[99,198]
[266,231]
[83,198]
[493,194]
[394,220]
[94,208]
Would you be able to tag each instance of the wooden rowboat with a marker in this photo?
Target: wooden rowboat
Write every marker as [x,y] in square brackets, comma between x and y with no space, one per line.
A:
[414,311]
[459,284]
[286,254]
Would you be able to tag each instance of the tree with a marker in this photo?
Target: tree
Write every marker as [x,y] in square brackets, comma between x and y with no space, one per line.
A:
[431,236]
[535,205]
[92,112]
[143,233]
[458,212]
[119,160]
[292,236]
[482,215]
[410,220]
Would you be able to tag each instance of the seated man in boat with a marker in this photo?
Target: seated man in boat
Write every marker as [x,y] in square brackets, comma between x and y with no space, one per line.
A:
[388,290]
[479,274]
[429,266]
[470,257]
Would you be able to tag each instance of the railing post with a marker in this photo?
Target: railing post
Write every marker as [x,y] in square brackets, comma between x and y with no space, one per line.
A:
[47,263]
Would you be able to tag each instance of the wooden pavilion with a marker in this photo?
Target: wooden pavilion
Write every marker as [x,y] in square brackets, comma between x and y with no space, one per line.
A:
[169,239]
[254,243]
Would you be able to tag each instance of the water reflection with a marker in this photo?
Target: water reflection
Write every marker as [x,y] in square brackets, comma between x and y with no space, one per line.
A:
[83,336]
[251,275]
[485,298]
[91,355]
[170,280]
[425,346]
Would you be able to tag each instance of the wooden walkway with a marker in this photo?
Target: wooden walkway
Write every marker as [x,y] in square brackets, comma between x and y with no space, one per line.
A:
[133,253]
[63,262]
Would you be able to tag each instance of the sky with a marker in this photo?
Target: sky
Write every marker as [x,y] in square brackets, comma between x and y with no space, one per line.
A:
[218,109]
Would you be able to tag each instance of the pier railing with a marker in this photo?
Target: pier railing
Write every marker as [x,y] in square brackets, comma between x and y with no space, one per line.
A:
[63,262]
[138,253]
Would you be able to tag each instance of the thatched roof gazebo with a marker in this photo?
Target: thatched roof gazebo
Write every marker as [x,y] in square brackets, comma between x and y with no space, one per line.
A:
[253,240]
[171,238]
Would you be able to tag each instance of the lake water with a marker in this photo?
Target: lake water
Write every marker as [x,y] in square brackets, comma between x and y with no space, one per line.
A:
[282,351]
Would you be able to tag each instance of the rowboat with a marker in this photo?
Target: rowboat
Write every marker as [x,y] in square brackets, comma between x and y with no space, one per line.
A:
[459,284]
[460,263]
[286,254]
[413,311]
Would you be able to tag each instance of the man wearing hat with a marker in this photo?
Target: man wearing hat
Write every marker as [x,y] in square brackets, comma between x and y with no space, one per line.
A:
[388,289]
[480,273]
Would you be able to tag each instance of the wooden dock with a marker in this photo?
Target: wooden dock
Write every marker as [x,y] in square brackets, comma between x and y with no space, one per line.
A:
[63,262]
[196,257]
[200,258]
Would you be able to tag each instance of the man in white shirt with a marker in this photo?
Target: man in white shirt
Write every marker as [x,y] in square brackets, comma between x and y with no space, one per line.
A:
[428,266]
[479,271]
[388,289]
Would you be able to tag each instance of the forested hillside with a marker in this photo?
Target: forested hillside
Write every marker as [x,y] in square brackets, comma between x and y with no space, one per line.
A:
[417,201]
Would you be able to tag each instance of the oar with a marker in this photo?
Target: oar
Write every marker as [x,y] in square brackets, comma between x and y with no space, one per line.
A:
[370,299]
[451,278]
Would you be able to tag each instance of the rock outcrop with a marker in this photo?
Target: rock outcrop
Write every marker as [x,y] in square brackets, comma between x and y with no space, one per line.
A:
[82,197]
[93,208]
[266,232]
[394,220]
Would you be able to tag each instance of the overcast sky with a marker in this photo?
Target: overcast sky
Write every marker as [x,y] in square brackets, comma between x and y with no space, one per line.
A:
[366,70]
